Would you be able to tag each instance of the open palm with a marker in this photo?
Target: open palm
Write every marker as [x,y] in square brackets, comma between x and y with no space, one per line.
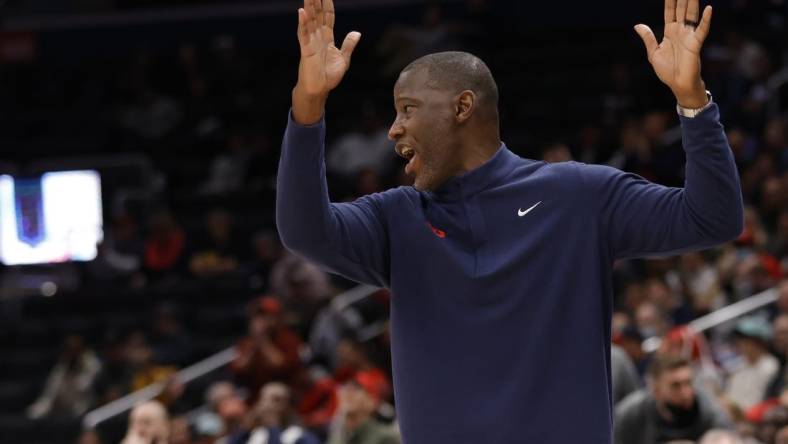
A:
[322,64]
[676,60]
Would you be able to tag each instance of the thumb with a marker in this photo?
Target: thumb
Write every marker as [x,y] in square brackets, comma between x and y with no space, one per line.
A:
[349,45]
[647,35]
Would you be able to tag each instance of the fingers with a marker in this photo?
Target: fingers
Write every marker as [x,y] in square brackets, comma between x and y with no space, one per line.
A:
[681,11]
[303,36]
[328,8]
[705,23]
[311,22]
[670,11]
[692,11]
[649,40]
[321,18]
[349,45]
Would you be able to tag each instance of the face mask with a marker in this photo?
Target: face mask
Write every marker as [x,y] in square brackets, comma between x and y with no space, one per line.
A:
[647,332]
[683,417]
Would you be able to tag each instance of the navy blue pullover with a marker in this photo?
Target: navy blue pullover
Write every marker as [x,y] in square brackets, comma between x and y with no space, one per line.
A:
[500,316]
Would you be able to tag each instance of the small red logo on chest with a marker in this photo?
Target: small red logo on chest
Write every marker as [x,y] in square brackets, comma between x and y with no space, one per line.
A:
[438,232]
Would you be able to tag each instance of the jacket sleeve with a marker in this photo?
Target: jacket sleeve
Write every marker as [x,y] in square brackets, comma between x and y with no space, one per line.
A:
[640,218]
[349,239]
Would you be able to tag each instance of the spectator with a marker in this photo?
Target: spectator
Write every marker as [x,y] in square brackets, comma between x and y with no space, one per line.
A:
[320,403]
[165,243]
[69,388]
[147,371]
[274,420]
[625,376]
[780,349]
[298,281]
[180,431]
[148,424]
[88,437]
[747,385]
[270,352]
[365,147]
[219,251]
[229,169]
[209,422]
[354,422]
[267,250]
[720,437]
[670,409]
[701,284]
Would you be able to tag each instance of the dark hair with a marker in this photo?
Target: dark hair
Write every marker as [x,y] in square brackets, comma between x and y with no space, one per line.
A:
[458,71]
[666,362]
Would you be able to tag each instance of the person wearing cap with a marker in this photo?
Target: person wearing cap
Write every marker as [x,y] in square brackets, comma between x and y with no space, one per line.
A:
[270,352]
[748,384]
[354,421]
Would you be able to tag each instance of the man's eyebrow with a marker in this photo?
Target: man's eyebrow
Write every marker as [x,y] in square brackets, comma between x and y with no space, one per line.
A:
[406,98]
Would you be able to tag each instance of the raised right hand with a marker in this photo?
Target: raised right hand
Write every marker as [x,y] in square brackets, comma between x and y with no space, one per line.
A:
[322,64]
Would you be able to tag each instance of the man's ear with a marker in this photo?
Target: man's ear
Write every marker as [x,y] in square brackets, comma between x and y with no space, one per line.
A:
[465,105]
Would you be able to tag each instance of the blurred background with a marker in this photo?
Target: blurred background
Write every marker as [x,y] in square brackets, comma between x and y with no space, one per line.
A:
[156,127]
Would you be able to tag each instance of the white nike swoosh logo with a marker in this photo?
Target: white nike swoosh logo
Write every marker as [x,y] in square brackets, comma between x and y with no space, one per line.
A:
[522,213]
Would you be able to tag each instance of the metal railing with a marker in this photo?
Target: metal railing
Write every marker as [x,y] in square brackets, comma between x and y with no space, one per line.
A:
[356,294]
[207,365]
[721,316]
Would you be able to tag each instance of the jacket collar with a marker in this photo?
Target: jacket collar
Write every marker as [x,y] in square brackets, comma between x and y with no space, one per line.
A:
[490,173]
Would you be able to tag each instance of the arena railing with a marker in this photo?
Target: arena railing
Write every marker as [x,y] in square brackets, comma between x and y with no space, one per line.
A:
[721,316]
[356,294]
[201,368]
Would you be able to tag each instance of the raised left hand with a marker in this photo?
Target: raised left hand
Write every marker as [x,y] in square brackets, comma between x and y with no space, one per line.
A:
[676,60]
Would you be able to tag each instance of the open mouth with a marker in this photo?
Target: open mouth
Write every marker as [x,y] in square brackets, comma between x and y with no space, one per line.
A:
[408,153]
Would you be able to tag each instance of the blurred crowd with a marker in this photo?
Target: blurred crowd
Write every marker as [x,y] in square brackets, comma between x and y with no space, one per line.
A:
[312,369]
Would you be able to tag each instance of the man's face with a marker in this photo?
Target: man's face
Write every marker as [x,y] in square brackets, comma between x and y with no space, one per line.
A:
[424,130]
[148,422]
[273,403]
[674,387]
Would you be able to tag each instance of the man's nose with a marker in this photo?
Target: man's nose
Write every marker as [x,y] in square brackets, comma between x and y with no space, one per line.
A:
[395,132]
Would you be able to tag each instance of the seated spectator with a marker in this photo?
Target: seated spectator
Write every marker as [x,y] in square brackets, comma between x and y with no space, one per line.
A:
[720,437]
[625,376]
[88,437]
[148,423]
[180,431]
[320,403]
[69,388]
[748,384]
[670,409]
[270,352]
[780,349]
[298,281]
[234,415]
[165,243]
[274,420]
[266,251]
[365,147]
[219,251]
[651,320]
[147,371]
[209,423]
[353,422]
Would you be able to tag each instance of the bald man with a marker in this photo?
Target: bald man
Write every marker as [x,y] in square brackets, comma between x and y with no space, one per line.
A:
[499,266]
